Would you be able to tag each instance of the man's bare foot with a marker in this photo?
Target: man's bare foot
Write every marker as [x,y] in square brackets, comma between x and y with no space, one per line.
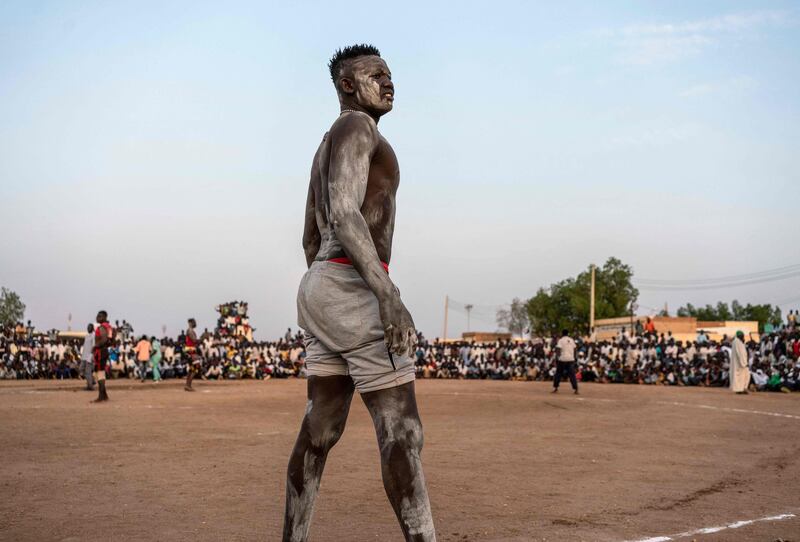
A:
[98,400]
[188,388]
[576,392]
[555,390]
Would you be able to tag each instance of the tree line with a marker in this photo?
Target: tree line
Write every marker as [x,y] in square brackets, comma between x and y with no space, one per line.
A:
[565,304]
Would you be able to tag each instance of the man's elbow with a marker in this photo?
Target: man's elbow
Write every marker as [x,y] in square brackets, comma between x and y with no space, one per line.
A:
[344,218]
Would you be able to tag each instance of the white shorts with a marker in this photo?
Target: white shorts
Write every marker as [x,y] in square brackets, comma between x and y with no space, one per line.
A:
[343,329]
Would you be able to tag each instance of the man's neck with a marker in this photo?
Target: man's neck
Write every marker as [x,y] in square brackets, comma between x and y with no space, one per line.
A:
[348,106]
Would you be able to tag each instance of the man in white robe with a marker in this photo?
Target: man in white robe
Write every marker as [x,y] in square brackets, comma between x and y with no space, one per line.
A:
[740,371]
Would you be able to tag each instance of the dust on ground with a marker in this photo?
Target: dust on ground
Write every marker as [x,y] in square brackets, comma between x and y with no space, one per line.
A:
[504,461]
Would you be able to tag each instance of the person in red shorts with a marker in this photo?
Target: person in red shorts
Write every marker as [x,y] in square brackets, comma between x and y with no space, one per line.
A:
[103,335]
[195,361]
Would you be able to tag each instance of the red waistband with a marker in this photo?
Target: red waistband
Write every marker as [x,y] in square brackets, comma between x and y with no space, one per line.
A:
[347,261]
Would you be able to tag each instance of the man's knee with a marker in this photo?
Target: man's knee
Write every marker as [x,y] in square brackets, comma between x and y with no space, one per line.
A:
[401,435]
[323,436]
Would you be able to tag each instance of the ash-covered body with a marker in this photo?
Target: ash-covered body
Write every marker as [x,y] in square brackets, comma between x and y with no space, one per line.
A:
[359,334]
[378,206]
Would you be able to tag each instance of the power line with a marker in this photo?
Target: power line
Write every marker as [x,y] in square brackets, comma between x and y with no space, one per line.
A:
[787,301]
[476,306]
[718,285]
[730,278]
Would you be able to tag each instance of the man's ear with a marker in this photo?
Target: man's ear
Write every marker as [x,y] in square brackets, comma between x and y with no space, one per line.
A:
[346,85]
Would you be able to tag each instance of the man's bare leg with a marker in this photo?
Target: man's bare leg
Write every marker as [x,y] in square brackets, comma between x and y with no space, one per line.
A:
[326,414]
[189,377]
[399,431]
[101,392]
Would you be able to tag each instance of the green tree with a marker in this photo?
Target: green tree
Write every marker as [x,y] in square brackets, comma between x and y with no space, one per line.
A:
[514,318]
[12,309]
[709,313]
[565,304]
[763,314]
[737,310]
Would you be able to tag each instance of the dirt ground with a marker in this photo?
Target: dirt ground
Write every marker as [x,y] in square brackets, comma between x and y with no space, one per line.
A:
[504,461]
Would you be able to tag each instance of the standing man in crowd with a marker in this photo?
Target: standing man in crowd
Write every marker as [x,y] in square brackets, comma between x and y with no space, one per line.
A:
[87,361]
[142,357]
[565,361]
[195,362]
[740,368]
[359,333]
[103,336]
[155,359]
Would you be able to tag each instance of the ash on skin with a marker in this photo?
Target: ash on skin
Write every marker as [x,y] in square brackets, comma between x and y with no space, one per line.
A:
[360,177]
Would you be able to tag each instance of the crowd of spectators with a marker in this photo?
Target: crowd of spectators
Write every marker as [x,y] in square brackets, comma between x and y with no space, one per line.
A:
[641,357]
[655,359]
[226,354]
[25,354]
[233,321]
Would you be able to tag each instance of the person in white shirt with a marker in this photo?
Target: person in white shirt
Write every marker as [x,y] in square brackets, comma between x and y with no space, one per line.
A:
[87,359]
[566,361]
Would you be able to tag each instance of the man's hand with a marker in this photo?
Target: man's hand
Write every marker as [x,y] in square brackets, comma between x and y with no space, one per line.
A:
[400,334]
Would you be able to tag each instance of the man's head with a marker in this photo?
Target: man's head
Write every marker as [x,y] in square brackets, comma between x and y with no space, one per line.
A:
[362,79]
[102,316]
[192,323]
[564,332]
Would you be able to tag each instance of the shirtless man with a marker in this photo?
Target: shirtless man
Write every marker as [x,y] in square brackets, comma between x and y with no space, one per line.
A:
[103,335]
[359,335]
[195,363]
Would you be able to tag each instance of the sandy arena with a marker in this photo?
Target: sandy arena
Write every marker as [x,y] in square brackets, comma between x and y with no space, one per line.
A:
[504,461]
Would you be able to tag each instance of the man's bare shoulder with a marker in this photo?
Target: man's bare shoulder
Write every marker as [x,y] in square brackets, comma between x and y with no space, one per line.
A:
[354,123]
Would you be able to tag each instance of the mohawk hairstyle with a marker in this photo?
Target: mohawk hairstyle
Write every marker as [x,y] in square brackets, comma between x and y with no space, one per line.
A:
[352,51]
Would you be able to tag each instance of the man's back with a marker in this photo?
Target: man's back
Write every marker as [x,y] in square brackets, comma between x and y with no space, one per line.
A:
[143,350]
[88,346]
[567,348]
[383,178]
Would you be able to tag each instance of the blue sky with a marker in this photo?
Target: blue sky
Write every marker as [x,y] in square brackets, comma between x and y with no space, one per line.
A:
[154,157]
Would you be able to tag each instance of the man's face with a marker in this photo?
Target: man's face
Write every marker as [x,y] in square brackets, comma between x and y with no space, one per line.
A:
[101,318]
[371,82]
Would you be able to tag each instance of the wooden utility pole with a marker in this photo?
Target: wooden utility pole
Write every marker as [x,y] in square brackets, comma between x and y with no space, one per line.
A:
[469,310]
[591,304]
[446,302]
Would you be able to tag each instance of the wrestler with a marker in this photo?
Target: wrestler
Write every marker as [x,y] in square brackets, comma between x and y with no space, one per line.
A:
[103,337]
[195,362]
[358,333]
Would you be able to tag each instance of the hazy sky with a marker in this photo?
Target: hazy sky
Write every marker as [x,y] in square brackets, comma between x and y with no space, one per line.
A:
[154,157]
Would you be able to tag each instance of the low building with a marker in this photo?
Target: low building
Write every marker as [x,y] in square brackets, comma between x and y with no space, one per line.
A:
[485,336]
[682,328]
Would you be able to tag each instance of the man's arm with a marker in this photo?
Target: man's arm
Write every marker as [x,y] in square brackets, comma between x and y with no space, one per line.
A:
[353,142]
[102,340]
[311,237]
